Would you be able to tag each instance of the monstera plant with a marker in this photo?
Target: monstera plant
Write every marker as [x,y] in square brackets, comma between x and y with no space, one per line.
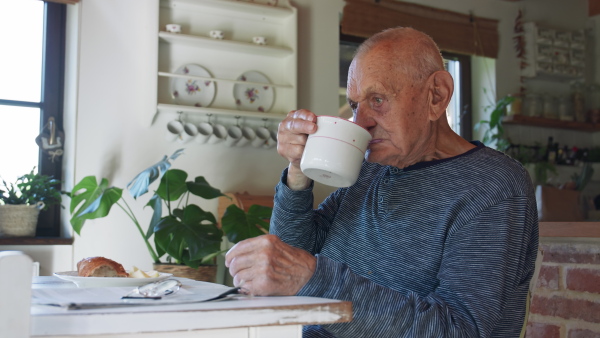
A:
[181,230]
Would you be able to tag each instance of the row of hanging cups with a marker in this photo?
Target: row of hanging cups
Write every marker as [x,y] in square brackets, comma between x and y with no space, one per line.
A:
[215,133]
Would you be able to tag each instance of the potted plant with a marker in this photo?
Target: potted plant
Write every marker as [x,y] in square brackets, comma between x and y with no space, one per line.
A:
[494,134]
[188,235]
[22,202]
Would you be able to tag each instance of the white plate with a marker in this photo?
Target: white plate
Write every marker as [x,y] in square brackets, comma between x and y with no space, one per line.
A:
[91,282]
[193,92]
[256,96]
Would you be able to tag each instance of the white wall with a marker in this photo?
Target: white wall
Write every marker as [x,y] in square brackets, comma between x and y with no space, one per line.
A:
[113,72]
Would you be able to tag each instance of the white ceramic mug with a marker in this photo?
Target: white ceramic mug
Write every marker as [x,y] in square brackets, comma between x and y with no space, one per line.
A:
[216,34]
[262,136]
[259,40]
[234,134]
[333,155]
[218,135]
[174,129]
[248,135]
[173,28]
[205,129]
[190,131]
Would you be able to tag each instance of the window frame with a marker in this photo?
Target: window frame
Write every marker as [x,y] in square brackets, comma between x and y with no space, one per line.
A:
[51,103]
[464,99]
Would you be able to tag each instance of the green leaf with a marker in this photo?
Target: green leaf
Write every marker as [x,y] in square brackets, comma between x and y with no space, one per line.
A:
[32,188]
[172,185]
[90,200]
[239,225]
[191,227]
[200,187]
[140,183]
[156,204]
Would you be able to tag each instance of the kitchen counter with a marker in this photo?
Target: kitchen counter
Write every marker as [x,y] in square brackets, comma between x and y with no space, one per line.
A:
[570,229]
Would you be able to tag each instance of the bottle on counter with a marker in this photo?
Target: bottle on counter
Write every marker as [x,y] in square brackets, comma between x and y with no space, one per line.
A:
[573,156]
[565,153]
[560,155]
[549,146]
[552,154]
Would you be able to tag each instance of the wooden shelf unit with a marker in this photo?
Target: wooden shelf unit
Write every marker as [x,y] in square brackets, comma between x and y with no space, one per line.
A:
[550,123]
[227,59]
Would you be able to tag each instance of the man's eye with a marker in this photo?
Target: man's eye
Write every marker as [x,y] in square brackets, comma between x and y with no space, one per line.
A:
[353,105]
[378,100]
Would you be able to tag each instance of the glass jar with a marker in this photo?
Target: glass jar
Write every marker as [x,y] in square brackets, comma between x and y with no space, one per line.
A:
[593,96]
[593,102]
[550,109]
[514,108]
[577,93]
[565,109]
[532,105]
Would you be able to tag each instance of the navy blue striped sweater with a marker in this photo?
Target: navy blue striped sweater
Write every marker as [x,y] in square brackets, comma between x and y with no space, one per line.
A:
[439,249]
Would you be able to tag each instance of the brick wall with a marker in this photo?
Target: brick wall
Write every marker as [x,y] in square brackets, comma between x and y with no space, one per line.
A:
[566,300]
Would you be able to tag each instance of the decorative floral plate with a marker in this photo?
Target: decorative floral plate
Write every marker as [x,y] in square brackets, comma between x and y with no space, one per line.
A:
[257,95]
[193,92]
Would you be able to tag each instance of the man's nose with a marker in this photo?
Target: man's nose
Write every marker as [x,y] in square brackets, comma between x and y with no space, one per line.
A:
[361,117]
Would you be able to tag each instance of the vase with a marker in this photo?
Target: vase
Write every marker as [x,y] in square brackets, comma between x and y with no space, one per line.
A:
[19,220]
[204,273]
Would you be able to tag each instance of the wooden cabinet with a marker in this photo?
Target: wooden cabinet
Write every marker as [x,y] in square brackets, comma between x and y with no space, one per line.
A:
[226,60]
[554,53]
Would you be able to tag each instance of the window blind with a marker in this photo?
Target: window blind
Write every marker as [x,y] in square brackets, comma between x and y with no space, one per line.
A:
[452,31]
[68,2]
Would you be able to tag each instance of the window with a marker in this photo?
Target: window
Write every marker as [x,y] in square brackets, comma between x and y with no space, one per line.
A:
[32,34]
[459,109]
[459,66]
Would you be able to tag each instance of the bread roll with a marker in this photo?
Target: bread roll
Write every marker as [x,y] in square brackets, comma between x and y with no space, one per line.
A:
[100,267]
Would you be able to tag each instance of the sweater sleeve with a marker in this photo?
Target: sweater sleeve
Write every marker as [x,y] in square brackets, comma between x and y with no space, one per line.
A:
[294,219]
[486,261]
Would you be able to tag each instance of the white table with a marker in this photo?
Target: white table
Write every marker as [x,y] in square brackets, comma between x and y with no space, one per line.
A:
[255,317]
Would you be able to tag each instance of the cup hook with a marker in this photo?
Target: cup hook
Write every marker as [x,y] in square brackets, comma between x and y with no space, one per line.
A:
[237,121]
[209,115]
[180,116]
[265,120]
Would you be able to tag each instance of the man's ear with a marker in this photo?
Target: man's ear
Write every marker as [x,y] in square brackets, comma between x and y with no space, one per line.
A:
[441,89]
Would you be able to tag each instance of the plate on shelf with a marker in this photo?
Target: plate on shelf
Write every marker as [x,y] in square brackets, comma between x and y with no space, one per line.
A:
[257,96]
[90,282]
[193,92]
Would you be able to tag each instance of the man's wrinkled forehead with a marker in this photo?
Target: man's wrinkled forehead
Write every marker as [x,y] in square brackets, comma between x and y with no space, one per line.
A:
[378,64]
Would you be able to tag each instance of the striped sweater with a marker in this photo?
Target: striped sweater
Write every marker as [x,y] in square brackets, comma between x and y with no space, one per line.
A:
[439,249]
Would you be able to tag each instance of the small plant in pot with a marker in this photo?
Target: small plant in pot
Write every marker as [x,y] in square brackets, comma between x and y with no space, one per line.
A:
[22,202]
[182,231]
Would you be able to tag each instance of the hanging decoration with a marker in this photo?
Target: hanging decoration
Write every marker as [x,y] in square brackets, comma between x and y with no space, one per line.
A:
[51,140]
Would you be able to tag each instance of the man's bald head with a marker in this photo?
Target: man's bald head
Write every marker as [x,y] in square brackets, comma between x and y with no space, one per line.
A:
[414,53]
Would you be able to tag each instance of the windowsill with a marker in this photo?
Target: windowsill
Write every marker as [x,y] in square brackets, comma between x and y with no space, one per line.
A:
[35,241]
[547,229]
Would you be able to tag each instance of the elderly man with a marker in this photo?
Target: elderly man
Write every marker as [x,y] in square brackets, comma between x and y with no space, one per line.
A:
[437,238]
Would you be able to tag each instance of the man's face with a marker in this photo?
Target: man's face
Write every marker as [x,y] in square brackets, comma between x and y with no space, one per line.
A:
[392,107]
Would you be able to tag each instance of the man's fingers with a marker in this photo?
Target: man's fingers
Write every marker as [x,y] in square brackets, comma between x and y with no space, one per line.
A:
[299,122]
